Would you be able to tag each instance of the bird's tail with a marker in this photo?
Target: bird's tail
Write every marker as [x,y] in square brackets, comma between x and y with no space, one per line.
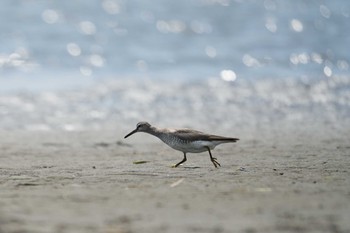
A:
[231,139]
[224,139]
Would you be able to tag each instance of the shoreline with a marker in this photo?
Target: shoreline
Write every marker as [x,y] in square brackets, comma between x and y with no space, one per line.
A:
[88,182]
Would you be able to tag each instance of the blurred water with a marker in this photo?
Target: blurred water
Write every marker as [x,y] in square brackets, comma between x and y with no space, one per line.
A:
[185,39]
[228,107]
[210,59]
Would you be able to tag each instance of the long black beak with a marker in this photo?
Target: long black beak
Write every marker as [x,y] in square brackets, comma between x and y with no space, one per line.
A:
[131,133]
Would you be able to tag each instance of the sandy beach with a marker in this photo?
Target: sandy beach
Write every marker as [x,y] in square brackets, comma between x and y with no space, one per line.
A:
[92,181]
[77,76]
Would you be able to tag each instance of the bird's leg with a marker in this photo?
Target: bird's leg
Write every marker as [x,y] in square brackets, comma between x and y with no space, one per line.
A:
[182,161]
[213,160]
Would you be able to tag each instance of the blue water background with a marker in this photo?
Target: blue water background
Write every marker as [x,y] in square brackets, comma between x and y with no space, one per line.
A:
[71,43]
[218,64]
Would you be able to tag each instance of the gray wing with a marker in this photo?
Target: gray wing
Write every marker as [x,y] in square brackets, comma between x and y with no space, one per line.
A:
[189,135]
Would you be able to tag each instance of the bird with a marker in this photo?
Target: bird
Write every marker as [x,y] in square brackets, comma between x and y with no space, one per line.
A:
[184,140]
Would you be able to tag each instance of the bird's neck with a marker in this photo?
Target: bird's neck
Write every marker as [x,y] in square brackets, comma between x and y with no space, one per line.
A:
[155,131]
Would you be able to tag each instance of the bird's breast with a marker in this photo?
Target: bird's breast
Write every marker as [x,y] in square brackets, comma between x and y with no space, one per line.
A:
[188,146]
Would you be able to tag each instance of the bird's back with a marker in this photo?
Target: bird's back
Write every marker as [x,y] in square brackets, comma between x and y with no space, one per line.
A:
[188,140]
[194,135]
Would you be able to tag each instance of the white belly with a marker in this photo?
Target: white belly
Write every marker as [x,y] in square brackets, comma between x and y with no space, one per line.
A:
[192,147]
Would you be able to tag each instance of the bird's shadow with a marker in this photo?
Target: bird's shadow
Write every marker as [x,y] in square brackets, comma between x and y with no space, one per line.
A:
[191,167]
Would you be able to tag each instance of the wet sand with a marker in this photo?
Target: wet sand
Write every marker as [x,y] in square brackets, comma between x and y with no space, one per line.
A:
[88,182]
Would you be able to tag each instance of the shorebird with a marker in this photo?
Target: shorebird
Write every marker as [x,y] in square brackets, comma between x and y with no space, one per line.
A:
[185,140]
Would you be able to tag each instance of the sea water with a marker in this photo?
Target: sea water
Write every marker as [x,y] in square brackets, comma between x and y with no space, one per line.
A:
[218,64]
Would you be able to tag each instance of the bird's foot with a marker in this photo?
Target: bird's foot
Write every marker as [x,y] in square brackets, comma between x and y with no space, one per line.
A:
[215,162]
[175,165]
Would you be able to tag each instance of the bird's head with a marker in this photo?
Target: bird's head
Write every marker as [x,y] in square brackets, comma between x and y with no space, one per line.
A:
[140,127]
